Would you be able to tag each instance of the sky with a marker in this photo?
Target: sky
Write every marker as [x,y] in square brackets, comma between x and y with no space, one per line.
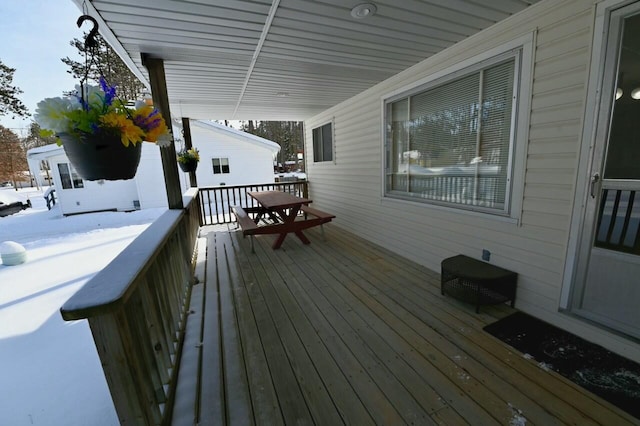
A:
[34,35]
[49,368]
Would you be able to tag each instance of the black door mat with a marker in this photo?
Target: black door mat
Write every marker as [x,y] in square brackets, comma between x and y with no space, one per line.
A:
[608,375]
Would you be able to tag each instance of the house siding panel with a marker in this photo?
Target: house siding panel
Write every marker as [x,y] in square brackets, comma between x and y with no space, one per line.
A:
[535,246]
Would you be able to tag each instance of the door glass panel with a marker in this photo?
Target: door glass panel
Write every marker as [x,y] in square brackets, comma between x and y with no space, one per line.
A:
[623,156]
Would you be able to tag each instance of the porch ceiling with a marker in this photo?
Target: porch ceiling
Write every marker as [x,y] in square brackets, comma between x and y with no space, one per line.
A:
[283,59]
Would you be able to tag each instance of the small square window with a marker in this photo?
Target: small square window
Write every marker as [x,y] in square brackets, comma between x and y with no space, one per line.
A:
[69,177]
[220,166]
[323,143]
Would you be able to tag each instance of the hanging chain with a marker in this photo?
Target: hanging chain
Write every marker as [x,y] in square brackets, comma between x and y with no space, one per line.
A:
[90,47]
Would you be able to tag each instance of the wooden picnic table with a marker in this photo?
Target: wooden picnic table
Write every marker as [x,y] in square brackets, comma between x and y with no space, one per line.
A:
[284,207]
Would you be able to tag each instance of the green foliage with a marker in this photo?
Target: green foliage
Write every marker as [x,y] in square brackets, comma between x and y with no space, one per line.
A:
[187,155]
[98,113]
[9,102]
[38,137]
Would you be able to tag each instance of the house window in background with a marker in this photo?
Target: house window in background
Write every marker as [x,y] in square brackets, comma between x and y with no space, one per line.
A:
[220,165]
[323,143]
[69,177]
[451,142]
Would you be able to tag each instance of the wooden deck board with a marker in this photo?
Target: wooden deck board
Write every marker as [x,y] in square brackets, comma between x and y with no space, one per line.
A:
[235,335]
[358,382]
[305,355]
[345,332]
[211,380]
[444,316]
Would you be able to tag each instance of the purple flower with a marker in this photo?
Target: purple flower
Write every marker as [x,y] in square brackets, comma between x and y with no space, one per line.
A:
[109,91]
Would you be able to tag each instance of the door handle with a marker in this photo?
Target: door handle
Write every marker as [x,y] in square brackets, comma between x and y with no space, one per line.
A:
[594,182]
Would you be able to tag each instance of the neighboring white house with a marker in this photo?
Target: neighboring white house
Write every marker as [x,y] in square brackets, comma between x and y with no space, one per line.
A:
[229,156]
[562,214]
[75,195]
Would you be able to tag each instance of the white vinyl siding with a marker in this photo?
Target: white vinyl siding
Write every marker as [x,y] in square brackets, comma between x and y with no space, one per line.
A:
[535,245]
[450,143]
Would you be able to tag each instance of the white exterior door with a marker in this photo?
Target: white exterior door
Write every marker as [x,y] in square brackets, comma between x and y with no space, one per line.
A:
[608,275]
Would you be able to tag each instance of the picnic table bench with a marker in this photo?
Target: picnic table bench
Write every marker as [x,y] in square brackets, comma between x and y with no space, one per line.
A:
[283,215]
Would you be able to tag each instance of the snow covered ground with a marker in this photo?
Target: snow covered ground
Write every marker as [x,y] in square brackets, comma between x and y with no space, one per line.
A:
[50,373]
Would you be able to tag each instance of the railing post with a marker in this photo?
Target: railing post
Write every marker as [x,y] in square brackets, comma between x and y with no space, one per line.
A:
[186,132]
[115,355]
[158,82]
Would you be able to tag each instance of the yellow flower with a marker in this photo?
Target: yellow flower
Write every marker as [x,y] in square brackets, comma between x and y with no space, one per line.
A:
[150,120]
[154,133]
[130,133]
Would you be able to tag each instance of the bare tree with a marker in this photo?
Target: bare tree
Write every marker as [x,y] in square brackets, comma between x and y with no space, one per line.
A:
[13,159]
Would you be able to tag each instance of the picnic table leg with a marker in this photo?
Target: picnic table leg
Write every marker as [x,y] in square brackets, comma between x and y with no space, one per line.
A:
[303,237]
[278,242]
[289,218]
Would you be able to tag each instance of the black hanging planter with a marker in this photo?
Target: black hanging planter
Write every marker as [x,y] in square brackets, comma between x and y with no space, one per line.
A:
[190,165]
[97,157]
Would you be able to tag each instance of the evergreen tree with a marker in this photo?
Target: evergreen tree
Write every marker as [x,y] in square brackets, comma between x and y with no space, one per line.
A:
[35,139]
[287,134]
[9,102]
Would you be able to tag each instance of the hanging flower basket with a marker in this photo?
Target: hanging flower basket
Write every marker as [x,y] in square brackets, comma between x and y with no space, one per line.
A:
[101,135]
[101,156]
[189,166]
[188,159]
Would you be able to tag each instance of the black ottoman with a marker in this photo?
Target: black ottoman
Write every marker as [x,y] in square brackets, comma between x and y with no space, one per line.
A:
[477,282]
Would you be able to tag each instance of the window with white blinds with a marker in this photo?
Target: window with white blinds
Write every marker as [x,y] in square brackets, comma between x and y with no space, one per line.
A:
[452,143]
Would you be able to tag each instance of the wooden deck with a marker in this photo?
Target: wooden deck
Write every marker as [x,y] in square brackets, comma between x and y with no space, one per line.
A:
[344,332]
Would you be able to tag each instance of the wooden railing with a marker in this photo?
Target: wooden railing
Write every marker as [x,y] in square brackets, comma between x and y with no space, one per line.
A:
[136,308]
[216,201]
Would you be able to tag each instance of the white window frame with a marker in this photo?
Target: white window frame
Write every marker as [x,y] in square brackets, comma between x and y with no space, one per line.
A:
[72,173]
[333,143]
[524,46]
[222,172]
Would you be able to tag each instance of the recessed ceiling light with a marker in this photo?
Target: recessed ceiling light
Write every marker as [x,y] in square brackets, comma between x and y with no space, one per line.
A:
[364,10]
[619,93]
[635,93]
[282,94]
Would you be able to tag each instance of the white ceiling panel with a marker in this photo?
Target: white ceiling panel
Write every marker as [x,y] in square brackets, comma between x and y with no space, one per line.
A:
[283,59]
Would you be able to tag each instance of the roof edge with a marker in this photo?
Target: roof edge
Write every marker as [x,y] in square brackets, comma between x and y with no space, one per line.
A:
[256,140]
